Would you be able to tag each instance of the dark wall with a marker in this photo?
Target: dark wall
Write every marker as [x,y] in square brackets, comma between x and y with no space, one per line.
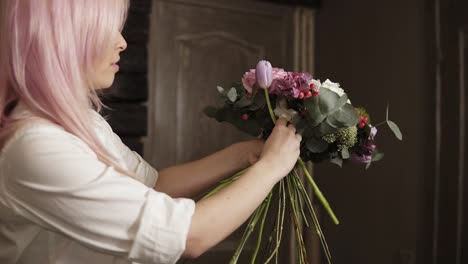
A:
[129,93]
[378,51]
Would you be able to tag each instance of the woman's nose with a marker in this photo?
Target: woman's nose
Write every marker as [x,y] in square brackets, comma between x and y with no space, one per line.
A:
[121,43]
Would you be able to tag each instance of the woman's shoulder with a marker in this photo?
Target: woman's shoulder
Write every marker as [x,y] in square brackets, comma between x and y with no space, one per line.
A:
[43,152]
[40,139]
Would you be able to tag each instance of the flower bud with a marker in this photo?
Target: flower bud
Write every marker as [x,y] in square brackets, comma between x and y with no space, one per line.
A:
[264,74]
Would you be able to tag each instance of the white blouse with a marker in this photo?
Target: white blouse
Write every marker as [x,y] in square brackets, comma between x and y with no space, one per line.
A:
[60,204]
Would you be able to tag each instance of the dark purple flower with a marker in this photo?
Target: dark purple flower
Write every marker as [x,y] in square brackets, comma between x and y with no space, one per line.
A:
[363,152]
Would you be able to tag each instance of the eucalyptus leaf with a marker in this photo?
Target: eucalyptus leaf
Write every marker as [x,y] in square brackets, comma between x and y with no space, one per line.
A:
[305,129]
[259,102]
[368,165]
[313,110]
[345,153]
[316,145]
[378,156]
[337,161]
[395,129]
[243,102]
[232,94]
[346,116]
[386,115]
[327,101]
[341,102]
[221,90]
[325,128]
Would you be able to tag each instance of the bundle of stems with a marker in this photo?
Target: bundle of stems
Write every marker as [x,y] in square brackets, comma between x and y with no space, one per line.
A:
[290,193]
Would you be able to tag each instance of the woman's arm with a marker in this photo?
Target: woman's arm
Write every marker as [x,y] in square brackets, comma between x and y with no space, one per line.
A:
[219,215]
[190,179]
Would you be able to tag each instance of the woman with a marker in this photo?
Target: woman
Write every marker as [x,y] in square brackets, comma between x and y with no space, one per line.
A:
[71,192]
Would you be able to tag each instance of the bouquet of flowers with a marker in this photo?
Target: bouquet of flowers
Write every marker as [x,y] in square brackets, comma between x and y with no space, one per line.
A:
[332,130]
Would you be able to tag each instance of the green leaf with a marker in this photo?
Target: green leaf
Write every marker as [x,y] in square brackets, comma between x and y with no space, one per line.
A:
[313,110]
[386,115]
[325,128]
[327,101]
[368,165]
[345,116]
[304,128]
[345,153]
[337,161]
[395,129]
[243,102]
[341,102]
[232,94]
[316,145]
[377,156]
[259,102]
[221,90]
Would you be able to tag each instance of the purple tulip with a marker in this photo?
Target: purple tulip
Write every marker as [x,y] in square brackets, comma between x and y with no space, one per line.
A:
[264,74]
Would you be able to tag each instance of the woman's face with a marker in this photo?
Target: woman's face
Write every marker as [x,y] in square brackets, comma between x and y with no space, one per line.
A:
[106,66]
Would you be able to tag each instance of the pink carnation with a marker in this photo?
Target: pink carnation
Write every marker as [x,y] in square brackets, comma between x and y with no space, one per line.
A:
[249,80]
[292,85]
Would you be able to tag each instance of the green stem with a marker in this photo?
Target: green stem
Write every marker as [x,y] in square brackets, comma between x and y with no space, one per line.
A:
[319,231]
[224,183]
[260,233]
[317,192]
[272,115]
[247,232]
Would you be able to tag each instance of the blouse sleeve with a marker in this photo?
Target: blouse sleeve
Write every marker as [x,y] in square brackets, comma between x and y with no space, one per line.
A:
[56,181]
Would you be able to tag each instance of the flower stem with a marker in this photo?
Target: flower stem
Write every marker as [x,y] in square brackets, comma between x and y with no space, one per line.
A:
[260,233]
[267,97]
[317,192]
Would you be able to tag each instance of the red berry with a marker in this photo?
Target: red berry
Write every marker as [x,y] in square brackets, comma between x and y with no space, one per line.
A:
[245,117]
[315,94]
[308,94]
[361,118]
[365,119]
[362,125]
[312,86]
[301,95]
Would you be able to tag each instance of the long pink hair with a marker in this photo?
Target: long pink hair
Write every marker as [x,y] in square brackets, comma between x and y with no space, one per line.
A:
[47,52]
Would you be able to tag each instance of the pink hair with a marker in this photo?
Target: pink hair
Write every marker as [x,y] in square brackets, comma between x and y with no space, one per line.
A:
[47,52]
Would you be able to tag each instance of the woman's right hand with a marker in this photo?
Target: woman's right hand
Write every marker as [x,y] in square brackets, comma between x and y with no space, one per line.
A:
[281,149]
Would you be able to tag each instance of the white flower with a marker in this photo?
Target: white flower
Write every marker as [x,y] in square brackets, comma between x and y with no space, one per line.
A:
[334,87]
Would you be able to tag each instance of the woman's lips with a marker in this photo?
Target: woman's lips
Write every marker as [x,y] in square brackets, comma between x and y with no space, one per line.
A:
[115,66]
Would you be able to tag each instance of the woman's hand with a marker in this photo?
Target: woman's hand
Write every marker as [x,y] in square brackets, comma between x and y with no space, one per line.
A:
[250,151]
[282,148]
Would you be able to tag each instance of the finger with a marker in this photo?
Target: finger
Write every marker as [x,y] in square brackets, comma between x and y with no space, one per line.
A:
[292,128]
[281,122]
[299,137]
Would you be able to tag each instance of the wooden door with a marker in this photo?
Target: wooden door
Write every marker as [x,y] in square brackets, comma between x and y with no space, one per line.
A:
[450,241]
